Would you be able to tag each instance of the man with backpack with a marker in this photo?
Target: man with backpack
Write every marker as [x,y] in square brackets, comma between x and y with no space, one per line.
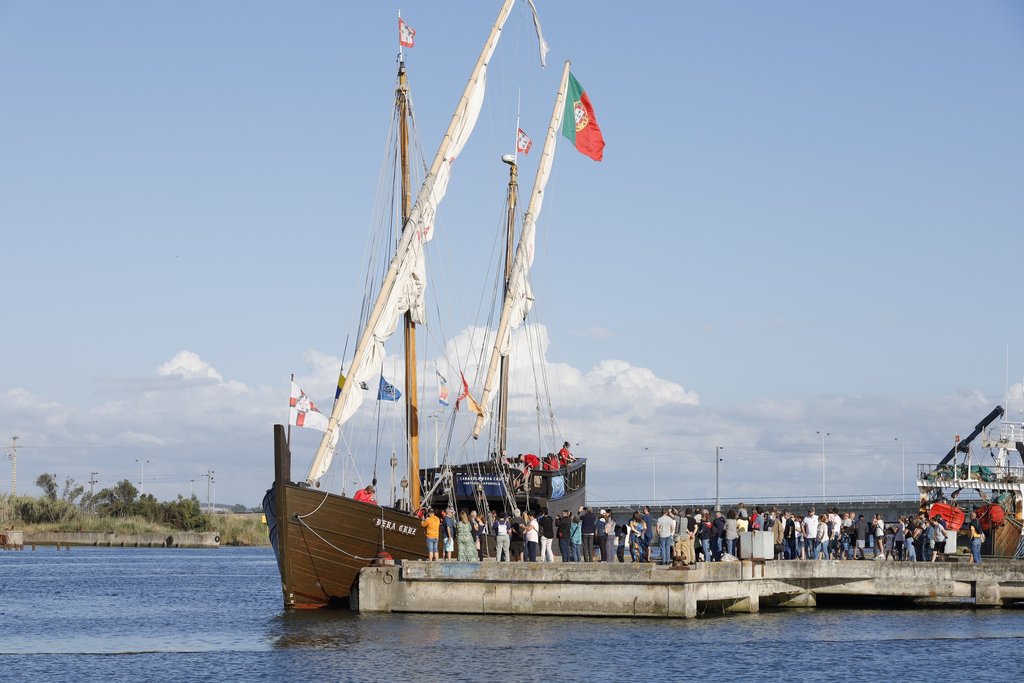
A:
[502,539]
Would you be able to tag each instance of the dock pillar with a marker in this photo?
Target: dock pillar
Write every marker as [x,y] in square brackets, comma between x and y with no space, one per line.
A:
[804,599]
[750,604]
[986,594]
[682,601]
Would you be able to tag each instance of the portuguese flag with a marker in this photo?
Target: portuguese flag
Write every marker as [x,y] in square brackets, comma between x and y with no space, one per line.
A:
[579,123]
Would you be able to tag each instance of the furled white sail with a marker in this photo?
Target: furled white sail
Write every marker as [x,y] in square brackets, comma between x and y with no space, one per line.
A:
[403,285]
[519,296]
[411,289]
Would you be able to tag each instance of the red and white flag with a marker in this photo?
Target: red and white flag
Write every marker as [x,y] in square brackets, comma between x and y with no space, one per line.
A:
[303,413]
[406,34]
[523,142]
[470,401]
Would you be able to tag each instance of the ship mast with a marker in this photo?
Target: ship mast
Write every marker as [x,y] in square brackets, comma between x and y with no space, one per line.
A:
[398,281]
[516,282]
[503,377]
[412,419]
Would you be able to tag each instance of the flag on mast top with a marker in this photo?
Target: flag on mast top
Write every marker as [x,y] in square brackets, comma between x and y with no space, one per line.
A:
[406,33]
[523,142]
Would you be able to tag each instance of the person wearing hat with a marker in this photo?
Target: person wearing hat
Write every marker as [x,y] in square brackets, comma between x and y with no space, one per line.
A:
[608,549]
[366,495]
[599,536]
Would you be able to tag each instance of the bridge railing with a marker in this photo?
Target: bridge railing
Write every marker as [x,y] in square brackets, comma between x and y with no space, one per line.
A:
[794,503]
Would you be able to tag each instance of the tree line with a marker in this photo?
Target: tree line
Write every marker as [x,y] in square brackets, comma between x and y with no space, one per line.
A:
[70,501]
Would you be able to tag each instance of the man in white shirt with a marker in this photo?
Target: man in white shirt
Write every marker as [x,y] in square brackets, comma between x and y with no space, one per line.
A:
[666,527]
[810,529]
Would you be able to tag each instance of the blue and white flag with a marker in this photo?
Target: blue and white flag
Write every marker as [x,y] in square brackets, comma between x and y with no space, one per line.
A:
[442,389]
[387,392]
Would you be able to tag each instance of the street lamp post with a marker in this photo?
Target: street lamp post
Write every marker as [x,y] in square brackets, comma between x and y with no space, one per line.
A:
[654,477]
[718,459]
[209,481]
[13,455]
[823,435]
[903,465]
[142,476]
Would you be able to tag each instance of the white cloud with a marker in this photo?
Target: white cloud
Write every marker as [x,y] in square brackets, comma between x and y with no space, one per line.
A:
[188,364]
[634,426]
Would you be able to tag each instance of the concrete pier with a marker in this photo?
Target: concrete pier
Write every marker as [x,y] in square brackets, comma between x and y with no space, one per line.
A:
[642,590]
[12,540]
[179,539]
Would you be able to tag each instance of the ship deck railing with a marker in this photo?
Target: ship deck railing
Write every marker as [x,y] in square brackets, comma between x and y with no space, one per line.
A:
[958,474]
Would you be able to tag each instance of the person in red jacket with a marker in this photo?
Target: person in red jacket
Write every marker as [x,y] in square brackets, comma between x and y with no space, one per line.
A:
[564,456]
[366,495]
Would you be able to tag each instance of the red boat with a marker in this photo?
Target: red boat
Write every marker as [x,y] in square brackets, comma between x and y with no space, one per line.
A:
[952,515]
[991,515]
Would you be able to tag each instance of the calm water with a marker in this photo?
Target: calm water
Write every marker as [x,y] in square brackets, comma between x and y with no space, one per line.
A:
[177,615]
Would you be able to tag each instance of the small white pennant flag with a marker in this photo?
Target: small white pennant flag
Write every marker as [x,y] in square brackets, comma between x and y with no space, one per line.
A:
[540,36]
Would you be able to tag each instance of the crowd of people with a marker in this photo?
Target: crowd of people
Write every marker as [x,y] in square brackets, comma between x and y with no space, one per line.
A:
[685,537]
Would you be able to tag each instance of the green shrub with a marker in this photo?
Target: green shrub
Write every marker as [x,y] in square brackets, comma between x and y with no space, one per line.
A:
[247,529]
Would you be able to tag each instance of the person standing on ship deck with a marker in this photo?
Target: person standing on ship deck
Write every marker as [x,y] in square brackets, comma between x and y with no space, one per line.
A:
[366,495]
[564,456]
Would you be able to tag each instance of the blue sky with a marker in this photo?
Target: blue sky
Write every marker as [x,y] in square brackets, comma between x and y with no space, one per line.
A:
[808,218]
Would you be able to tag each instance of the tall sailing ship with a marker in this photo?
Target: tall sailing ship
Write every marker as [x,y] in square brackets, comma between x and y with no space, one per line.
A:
[322,539]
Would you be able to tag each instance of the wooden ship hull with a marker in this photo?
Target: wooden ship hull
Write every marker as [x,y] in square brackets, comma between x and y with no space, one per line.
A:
[322,540]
